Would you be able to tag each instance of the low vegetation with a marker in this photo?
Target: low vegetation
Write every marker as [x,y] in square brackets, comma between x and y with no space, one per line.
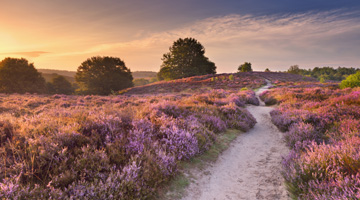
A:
[126,147]
[351,81]
[204,83]
[321,126]
[324,73]
[115,147]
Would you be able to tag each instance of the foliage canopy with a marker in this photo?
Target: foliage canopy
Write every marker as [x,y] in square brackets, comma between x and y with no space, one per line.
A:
[59,85]
[246,67]
[324,73]
[351,81]
[20,76]
[294,69]
[103,75]
[186,58]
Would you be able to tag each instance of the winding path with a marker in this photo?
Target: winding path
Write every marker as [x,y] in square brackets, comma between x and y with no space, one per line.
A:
[249,169]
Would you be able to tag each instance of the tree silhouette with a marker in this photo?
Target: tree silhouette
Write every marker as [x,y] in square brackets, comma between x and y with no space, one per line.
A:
[59,85]
[20,76]
[246,67]
[186,58]
[103,75]
[294,69]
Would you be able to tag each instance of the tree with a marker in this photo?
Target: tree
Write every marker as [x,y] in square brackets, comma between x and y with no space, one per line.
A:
[103,75]
[351,81]
[20,76]
[246,67]
[294,69]
[267,70]
[59,85]
[186,58]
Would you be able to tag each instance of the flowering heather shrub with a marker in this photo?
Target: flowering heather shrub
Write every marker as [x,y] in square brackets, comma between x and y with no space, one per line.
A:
[213,123]
[236,99]
[322,127]
[116,147]
[249,96]
[300,132]
[267,98]
[237,118]
[330,171]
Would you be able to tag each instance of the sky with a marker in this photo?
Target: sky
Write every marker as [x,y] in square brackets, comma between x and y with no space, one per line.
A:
[274,34]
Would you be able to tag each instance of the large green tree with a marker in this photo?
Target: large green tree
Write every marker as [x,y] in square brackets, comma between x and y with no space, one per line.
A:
[246,67]
[20,76]
[186,58]
[103,75]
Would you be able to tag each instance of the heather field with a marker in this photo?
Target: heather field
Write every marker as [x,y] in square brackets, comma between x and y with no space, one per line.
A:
[321,127]
[111,147]
[128,146]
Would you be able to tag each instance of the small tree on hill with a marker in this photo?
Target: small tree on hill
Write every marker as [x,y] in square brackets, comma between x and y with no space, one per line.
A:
[294,69]
[59,85]
[20,76]
[246,67]
[186,58]
[351,81]
[267,70]
[103,75]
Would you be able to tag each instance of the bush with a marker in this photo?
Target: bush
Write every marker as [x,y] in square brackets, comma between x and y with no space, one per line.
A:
[231,77]
[351,81]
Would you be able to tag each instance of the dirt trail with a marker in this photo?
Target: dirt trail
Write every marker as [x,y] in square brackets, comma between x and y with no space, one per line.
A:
[249,169]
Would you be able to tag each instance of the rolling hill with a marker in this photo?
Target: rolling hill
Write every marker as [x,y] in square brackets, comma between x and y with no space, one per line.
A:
[48,74]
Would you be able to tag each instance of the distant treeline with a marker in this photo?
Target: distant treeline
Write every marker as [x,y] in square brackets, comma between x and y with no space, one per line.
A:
[324,73]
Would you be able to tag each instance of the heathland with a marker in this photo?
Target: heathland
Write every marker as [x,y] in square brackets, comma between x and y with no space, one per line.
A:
[130,144]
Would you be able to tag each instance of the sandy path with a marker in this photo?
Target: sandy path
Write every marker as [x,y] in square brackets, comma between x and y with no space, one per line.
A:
[249,169]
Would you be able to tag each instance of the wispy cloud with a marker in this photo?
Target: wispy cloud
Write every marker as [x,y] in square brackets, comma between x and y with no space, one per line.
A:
[32,54]
[277,41]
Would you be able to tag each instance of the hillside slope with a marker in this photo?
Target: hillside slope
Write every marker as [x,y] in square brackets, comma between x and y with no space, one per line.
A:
[136,74]
[218,81]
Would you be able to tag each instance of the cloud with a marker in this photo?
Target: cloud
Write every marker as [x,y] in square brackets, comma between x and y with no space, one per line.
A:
[276,41]
[31,54]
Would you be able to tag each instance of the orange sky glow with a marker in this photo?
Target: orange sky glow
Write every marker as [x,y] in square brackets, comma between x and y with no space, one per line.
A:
[56,36]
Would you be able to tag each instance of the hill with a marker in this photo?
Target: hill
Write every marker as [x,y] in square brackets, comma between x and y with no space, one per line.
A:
[49,77]
[143,74]
[70,75]
[218,81]
[59,72]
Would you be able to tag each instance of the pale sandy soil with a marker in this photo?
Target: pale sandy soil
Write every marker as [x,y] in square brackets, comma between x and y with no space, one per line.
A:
[249,169]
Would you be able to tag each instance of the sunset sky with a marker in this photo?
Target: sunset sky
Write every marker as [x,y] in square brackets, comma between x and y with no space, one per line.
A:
[274,34]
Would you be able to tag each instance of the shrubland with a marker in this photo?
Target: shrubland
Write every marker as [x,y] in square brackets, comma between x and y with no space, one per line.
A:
[113,147]
[321,126]
[118,147]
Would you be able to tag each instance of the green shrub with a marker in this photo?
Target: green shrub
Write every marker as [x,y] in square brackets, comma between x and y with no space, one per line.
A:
[231,77]
[244,89]
[351,81]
